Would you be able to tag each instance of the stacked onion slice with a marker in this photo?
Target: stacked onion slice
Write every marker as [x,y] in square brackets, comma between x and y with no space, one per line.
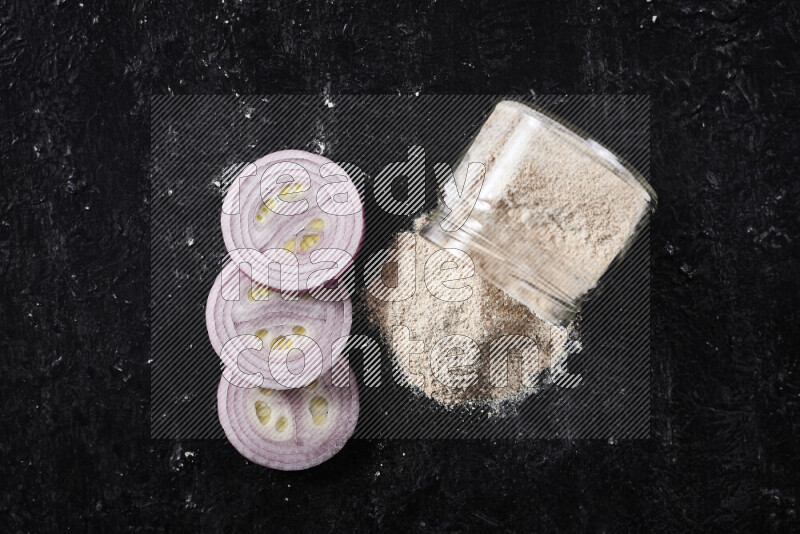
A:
[255,332]
[297,210]
[292,223]
[289,429]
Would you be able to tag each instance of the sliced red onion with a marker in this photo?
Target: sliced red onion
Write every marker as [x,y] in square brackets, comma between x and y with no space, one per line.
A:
[290,429]
[255,332]
[297,201]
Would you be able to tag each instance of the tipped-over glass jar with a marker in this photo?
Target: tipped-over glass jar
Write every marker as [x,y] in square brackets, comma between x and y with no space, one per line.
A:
[541,211]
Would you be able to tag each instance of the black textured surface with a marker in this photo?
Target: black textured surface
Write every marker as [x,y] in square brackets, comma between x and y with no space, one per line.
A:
[74,437]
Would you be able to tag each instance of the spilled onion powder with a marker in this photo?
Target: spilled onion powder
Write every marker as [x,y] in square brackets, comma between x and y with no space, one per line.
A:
[549,218]
[485,316]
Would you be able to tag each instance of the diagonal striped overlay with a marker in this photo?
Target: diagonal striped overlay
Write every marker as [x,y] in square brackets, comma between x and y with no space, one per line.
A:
[194,139]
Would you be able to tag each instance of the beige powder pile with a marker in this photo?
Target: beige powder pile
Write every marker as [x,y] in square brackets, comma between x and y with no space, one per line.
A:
[485,316]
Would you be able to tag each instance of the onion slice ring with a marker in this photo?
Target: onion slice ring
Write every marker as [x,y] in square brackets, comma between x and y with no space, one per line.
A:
[240,312]
[298,202]
[289,430]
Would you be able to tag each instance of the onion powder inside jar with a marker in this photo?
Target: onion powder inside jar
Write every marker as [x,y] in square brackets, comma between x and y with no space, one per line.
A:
[550,215]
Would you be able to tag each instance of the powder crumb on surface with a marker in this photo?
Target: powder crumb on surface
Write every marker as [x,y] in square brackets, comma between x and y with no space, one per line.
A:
[486,315]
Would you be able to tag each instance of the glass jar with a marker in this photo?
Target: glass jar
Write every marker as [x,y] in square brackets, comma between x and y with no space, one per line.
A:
[552,212]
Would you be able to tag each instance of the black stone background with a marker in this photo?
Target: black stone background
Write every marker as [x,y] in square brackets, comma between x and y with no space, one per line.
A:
[75,452]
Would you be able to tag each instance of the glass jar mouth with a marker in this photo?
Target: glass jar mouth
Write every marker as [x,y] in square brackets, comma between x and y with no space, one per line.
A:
[522,281]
